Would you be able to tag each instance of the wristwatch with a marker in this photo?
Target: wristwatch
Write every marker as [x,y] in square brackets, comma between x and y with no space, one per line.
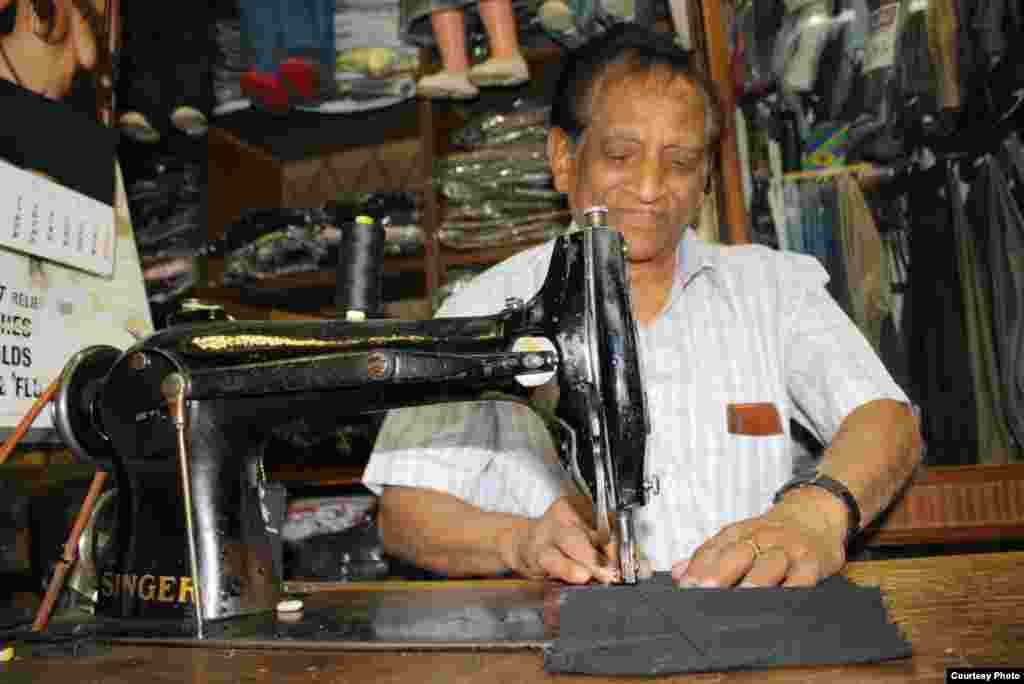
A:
[837,489]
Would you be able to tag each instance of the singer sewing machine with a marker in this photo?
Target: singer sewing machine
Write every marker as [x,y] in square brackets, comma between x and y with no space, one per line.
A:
[180,419]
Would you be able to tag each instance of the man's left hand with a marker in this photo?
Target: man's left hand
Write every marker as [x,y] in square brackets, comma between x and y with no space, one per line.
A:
[791,545]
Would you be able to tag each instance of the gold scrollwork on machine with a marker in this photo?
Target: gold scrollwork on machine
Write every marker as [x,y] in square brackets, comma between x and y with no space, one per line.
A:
[265,343]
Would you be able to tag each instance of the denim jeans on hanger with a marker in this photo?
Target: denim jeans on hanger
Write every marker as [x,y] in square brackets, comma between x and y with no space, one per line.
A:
[278,29]
[996,443]
[1005,224]
[793,206]
[937,347]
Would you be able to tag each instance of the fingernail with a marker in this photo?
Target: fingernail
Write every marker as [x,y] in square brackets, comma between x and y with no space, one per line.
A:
[746,585]
[708,584]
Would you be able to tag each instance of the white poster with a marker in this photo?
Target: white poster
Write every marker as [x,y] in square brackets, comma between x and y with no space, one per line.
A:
[43,218]
[49,311]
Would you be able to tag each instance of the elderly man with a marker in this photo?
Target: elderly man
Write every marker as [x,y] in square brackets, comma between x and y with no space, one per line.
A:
[740,332]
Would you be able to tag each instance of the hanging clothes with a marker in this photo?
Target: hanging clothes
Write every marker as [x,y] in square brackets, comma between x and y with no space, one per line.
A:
[835,261]
[1013,157]
[941,380]
[794,218]
[865,261]
[996,211]
[996,444]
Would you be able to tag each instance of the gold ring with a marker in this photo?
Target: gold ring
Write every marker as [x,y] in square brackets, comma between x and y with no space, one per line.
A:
[755,546]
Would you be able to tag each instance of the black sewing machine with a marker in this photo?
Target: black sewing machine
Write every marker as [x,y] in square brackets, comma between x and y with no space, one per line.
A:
[181,417]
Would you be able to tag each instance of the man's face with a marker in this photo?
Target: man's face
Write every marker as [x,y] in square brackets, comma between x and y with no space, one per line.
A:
[643,155]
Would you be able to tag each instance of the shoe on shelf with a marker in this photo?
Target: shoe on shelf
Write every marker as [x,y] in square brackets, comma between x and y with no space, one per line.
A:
[556,16]
[445,85]
[137,127]
[190,121]
[265,89]
[301,78]
[500,72]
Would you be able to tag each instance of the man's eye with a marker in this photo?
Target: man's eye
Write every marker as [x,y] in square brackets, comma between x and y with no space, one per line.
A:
[686,164]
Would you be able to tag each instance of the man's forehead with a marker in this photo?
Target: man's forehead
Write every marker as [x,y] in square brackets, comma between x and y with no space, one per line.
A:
[660,92]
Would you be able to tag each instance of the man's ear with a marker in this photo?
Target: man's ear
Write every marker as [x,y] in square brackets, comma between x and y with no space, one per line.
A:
[561,158]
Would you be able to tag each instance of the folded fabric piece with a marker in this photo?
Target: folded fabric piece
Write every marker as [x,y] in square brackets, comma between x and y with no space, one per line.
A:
[655,628]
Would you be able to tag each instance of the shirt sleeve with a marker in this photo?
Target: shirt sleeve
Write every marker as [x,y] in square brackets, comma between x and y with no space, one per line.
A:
[831,368]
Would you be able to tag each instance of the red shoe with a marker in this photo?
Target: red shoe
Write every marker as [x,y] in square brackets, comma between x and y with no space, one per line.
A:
[300,78]
[265,89]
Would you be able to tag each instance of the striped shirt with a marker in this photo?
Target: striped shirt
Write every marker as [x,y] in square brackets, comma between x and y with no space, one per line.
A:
[742,324]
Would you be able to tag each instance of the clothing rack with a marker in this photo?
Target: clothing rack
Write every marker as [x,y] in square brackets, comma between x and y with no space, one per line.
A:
[864,170]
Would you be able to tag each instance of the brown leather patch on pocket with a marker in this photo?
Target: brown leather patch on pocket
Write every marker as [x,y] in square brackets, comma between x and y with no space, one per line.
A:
[757,419]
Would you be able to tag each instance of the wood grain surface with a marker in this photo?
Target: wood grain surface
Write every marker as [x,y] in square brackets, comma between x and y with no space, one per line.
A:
[956,610]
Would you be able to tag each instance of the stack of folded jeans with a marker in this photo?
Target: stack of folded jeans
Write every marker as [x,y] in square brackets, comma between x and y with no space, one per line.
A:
[273,242]
[165,200]
[498,190]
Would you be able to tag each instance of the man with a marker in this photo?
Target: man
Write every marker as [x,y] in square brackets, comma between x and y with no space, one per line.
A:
[470,489]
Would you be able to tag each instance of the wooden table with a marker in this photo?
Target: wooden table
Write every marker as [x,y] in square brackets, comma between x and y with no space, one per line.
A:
[957,611]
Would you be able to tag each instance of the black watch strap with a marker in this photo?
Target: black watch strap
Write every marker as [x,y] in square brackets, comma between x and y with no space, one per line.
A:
[836,488]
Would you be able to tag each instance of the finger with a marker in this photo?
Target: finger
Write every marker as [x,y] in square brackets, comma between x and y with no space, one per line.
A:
[609,555]
[679,568]
[557,565]
[702,569]
[645,568]
[769,569]
[804,573]
[578,545]
[719,565]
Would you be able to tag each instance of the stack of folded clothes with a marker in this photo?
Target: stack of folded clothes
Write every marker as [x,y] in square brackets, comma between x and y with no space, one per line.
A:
[165,200]
[498,190]
[274,242]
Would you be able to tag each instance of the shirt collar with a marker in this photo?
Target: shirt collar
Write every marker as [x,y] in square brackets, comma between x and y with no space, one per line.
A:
[694,256]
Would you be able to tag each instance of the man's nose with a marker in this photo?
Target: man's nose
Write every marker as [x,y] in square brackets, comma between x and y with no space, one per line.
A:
[648,179]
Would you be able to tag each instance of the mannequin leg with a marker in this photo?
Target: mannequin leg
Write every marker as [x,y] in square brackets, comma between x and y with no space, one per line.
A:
[452,82]
[506,66]
[328,45]
[450,32]
[261,23]
[303,48]
[500,23]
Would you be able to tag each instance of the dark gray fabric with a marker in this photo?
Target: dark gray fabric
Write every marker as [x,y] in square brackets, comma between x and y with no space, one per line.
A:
[943,385]
[655,628]
[1006,259]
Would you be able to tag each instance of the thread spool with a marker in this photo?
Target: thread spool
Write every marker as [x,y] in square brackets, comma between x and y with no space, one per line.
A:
[360,265]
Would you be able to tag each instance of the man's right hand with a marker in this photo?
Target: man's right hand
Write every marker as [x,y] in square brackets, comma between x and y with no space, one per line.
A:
[563,545]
